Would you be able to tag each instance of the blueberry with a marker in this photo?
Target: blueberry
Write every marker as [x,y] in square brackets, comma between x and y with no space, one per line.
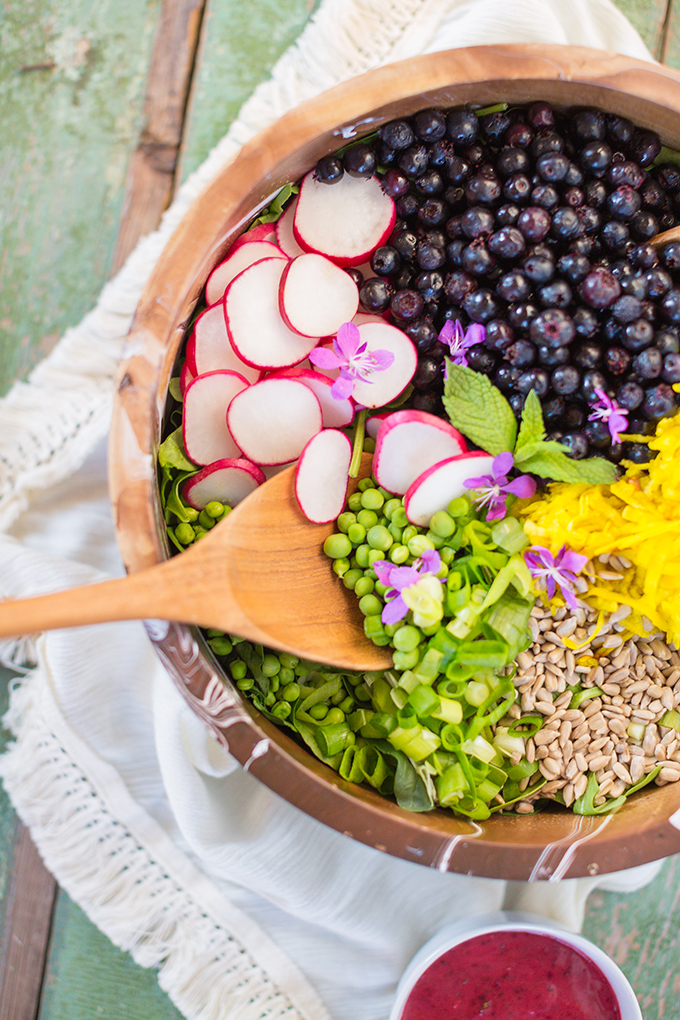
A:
[385,261]
[659,402]
[630,396]
[600,288]
[462,127]
[617,360]
[566,379]
[521,354]
[576,444]
[329,169]
[430,125]
[648,364]
[360,160]
[534,222]
[375,294]
[406,304]
[552,328]
[398,134]
[671,368]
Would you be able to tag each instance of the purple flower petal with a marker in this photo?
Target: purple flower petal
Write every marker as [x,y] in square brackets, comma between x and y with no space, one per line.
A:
[383,359]
[567,559]
[524,486]
[502,464]
[475,334]
[496,511]
[324,357]
[383,569]
[343,387]
[394,610]
[348,339]
[483,482]
[432,561]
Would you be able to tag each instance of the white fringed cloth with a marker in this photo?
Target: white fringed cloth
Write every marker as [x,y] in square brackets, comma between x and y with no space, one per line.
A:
[248,909]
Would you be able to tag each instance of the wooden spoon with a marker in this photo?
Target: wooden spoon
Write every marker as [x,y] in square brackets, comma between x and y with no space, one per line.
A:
[260,573]
[659,240]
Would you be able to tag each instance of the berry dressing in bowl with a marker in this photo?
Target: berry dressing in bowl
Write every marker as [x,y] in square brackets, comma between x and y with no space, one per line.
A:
[511,966]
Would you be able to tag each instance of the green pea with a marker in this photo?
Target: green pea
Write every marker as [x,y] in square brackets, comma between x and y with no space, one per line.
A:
[354,502]
[288,660]
[341,566]
[191,513]
[361,556]
[221,645]
[351,578]
[390,506]
[345,520]
[318,712]
[409,532]
[362,693]
[459,507]
[407,638]
[214,509]
[286,675]
[184,534]
[373,627]
[419,544]
[406,660]
[335,715]
[372,499]
[380,588]
[271,664]
[447,554]
[375,555]
[338,697]
[291,692]
[364,586]
[378,537]
[398,554]
[368,518]
[442,524]
[337,546]
[347,704]
[238,669]
[395,532]
[369,605]
[246,684]
[270,699]
[356,533]
[274,684]
[205,520]
[199,532]
[365,483]
[281,710]
[399,516]
[437,540]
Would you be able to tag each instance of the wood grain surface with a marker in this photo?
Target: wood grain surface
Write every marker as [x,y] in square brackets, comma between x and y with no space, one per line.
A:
[98,128]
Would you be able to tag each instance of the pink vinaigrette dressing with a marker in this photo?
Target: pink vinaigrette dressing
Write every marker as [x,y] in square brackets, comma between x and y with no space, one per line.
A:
[512,975]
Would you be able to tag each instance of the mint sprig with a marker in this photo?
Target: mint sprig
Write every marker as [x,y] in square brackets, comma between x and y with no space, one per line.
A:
[479,410]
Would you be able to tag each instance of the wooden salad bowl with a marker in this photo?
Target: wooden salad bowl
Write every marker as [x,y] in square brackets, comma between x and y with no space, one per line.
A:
[548,845]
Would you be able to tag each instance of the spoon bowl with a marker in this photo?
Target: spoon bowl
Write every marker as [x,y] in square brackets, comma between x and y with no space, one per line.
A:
[260,573]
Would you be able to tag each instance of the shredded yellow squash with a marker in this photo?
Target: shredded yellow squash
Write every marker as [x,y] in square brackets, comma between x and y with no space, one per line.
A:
[638,518]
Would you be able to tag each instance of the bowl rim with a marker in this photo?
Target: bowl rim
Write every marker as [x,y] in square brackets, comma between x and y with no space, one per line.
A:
[462,931]
[642,830]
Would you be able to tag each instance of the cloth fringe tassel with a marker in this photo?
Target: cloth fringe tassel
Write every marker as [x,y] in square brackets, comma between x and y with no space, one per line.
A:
[205,969]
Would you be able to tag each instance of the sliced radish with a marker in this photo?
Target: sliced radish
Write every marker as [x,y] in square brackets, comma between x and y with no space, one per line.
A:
[204,424]
[321,476]
[407,443]
[346,220]
[261,232]
[257,332]
[375,421]
[185,377]
[316,296]
[274,419]
[284,231]
[337,414]
[228,481]
[190,353]
[213,351]
[382,387]
[238,259]
[434,489]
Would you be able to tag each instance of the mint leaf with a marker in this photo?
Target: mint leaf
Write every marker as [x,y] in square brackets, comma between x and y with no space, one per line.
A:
[531,449]
[478,409]
[561,468]
[532,429]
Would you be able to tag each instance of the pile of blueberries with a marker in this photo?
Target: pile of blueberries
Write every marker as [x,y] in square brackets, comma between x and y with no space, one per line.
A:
[536,223]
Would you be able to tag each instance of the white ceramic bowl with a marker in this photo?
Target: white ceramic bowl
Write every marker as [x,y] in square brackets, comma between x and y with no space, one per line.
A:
[455,934]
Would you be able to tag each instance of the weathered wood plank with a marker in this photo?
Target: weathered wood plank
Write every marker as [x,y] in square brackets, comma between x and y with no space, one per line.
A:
[648,17]
[240,43]
[151,174]
[26,916]
[671,36]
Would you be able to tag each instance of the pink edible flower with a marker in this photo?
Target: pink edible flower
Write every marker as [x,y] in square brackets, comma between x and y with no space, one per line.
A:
[399,579]
[494,489]
[459,341]
[560,570]
[349,354]
[609,411]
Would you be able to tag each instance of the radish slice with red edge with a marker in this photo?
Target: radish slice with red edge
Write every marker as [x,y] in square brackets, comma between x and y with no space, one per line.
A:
[346,220]
[375,421]
[213,351]
[336,414]
[190,353]
[321,476]
[316,296]
[407,443]
[227,481]
[185,377]
[434,489]
[274,419]
[204,422]
[284,231]
[237,260]
[260,232]
[257,332]
[383,386]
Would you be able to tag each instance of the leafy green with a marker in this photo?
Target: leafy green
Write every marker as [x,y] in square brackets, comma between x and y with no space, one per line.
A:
[273,211]
[171,453]
[478,409]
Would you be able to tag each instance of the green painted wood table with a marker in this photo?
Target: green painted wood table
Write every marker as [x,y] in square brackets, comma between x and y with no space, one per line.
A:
[106,106]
